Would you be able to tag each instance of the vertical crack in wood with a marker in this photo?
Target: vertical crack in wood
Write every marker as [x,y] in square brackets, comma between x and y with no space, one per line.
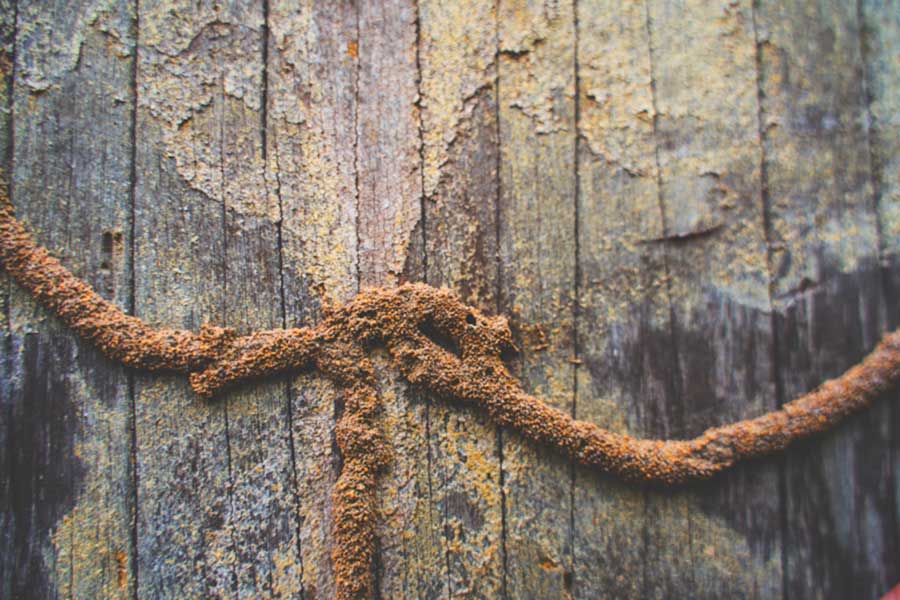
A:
[570,575]
[279,232]
[673,378]
[499,299]
[774,350]
[134,582]
[360,52]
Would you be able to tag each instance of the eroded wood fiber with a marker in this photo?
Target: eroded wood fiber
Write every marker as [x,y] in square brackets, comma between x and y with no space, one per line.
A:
[389,184]
[880,37]
[704,85]
[361,143]
[7,542]
[216,479]
[625,380]
[67,412]
[311,174]
[458,70]
[537,275]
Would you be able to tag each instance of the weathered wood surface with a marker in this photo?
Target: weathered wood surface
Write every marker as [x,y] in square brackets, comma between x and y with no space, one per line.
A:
[689,210]
[68,446]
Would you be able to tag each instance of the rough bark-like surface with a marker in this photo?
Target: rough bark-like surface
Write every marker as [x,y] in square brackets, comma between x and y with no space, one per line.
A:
[311,172]
[673,309]
[389,187]
[704,85]
[8,560]
[625,377]
[880,30]
[216,480]
[389,165]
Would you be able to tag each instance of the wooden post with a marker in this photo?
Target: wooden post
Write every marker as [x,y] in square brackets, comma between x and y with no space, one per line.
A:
[687,210]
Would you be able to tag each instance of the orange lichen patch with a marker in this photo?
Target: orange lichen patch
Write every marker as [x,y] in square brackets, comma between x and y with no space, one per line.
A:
[440,344]
[122,569]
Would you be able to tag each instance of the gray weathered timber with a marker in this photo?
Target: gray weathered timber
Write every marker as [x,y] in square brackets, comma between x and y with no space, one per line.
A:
[689,212]
[311,104]
[880,31]
[216,479]
[675,294]
[262,479]
[625,378]
[537,277]
[703,74]
[181,445]
[389,188]
[8,559]
[458,63]
[68,477]
[840,534]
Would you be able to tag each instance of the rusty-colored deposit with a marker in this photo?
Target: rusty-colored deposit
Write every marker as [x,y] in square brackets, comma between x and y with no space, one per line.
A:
[438,343]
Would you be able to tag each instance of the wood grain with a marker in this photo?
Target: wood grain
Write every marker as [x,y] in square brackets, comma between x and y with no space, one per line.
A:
[880,36]
[389,184]
[311,172]
[626,378]
[8,549]
[537,277]
[67,409]
[263,521]
[839,538]
[458,65]
[670,150]
[216,479]
[688,210]
[703,65]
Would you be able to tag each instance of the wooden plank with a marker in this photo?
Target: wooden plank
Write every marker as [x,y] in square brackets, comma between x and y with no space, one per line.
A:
[634,259]
[537,274]
[389,164]
[247,203]
[68,410]
[827,292]
[880,23]
[263,520]
[880,37]
[625,381]
[311,169]
[216,480]
[457,56]
[7,58]
[704,80]
[182,454]
[389,186]
[7,518]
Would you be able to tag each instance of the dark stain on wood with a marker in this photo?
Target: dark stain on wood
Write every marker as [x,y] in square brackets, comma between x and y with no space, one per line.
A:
[44,473]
